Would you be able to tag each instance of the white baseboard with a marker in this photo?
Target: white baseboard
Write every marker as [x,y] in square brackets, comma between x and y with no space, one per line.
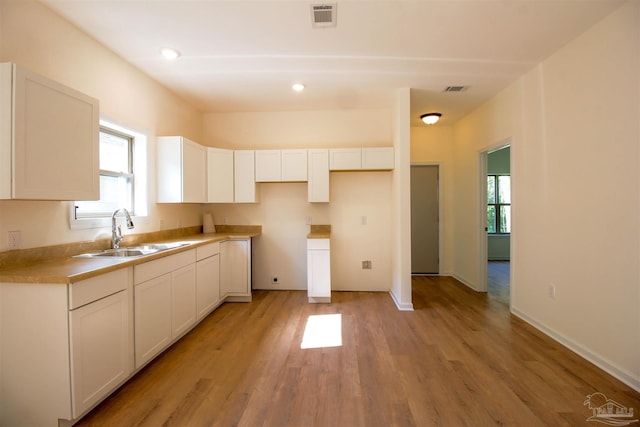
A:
[401,306]
[465,282]
[626,377]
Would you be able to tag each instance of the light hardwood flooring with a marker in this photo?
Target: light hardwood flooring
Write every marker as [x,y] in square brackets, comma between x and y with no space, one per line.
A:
[498,280]
[459,359]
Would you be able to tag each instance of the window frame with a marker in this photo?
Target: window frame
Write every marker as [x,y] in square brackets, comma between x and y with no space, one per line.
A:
[497,205]
[137,170]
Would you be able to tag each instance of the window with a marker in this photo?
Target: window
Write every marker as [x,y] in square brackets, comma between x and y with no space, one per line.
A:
[122,183]
[499,204]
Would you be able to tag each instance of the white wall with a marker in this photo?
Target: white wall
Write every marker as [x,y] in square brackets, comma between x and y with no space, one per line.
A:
[33,36]
[283,208]
[575,131]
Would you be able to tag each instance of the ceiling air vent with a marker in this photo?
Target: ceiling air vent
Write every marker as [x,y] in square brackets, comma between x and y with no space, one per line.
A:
[455,88]
[323,15]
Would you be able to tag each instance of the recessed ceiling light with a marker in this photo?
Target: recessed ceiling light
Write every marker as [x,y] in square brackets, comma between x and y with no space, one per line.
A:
[170,53]
[298,87]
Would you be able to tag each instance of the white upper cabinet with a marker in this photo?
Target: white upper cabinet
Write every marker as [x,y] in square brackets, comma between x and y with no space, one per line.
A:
[268,166]
[281,165]
[318,186]
[294,165]
[48,139]
[181,173]
[345,159]
[375,158]
[244,176]
[219,175]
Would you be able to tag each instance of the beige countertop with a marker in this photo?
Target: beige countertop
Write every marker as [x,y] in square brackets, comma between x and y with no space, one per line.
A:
[68,269]
[320,231]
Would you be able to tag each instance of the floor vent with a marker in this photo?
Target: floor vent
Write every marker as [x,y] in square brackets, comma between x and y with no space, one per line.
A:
[323,15]
[455,88]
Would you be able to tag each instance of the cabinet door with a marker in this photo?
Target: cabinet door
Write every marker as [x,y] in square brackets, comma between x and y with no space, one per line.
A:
[101,349]
[318,185]
[318,273]
[377,158]
[183,300]
[345,159]
[55,144]
[194,172]
[244,176]
[294,165]
[235,267]
[268,166]
[207,284]
[152,317]
[219,175]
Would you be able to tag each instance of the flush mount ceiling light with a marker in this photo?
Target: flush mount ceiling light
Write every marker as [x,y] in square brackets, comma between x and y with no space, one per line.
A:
[170,53]
[430,118]
[298,87]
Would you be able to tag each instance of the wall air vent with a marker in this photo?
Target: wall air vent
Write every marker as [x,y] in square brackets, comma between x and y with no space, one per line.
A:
[323,15]
[455,88]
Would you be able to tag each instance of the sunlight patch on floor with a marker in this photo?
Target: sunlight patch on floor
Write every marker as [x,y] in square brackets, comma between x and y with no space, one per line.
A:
[322,330]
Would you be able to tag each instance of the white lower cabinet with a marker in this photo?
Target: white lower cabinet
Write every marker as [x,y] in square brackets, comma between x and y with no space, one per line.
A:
[318,270]
[183,300]
[207,279]
[63,347]
[152,317]
[165,302]
[101,349]
[235,270]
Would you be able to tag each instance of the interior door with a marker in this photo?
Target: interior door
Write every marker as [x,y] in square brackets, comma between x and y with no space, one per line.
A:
[425,240]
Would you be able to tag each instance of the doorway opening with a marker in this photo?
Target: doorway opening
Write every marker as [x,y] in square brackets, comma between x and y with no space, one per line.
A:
[496,170]
[425,219]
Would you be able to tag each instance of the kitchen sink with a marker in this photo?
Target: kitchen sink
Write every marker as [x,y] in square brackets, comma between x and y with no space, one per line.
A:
[133,251]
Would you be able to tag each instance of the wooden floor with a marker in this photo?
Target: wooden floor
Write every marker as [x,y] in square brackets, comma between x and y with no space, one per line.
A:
[498,280]
[459,359]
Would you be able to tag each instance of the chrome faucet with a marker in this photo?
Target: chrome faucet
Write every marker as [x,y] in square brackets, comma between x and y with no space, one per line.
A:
[116,232]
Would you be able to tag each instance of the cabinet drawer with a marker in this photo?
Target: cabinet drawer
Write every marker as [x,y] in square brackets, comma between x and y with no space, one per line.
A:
[88,290]
[158,267]
[318,244]
[206,251]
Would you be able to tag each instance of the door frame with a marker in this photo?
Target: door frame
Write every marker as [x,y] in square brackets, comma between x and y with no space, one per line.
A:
[440,167]
[483,236]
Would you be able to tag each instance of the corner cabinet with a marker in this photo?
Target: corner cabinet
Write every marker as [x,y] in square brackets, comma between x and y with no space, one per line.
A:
[244,176]
[219,175]
[181,170]
[235,270]
[49,135]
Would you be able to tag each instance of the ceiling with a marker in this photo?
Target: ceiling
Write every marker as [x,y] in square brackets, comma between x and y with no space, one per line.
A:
[243,56]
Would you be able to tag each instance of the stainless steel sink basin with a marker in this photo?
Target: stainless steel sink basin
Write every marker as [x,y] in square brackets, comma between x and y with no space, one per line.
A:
[133,251]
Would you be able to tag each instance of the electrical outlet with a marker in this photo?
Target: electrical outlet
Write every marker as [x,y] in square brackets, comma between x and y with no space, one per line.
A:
[363,220]
[308,220]
[275,280]
[14,239]
[552,291]
[225,220]
[366,265]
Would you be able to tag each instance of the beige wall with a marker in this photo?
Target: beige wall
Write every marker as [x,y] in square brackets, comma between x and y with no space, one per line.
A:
[36,38]
[573,123]
[283,209]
